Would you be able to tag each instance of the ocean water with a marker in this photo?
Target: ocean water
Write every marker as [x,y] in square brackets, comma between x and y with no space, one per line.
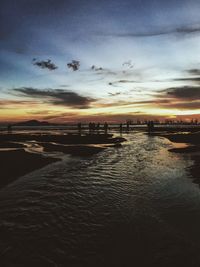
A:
[135,205]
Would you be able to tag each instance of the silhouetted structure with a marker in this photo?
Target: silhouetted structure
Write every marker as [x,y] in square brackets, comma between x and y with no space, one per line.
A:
[106,127]
[9,128]
[128,126]
[90,127]
[120,127]
[79,128]
[98,127]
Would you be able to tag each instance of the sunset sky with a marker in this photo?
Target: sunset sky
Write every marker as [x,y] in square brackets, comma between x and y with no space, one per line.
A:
[138,59]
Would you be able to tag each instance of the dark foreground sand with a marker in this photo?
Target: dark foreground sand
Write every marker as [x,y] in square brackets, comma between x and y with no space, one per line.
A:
[62,138]
[77,150]
[16,163]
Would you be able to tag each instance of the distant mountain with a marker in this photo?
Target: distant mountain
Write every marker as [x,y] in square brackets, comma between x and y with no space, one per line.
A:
[33,123]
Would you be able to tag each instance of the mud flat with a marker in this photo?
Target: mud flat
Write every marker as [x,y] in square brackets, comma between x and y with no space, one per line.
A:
[15,163]
[192,139]
[63,138]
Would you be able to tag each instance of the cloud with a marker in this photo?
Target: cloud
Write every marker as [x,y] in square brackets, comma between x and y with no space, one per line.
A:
[56,97]
[48,64]
[189,29]
[114,83]
[190,79]
[103,71]
[185,92]
[194,71]
[13,104]
[74,65]
[128,64]
[184,105]
[181,98]
[114,94]
[96,68]
[64,115]
[64,85]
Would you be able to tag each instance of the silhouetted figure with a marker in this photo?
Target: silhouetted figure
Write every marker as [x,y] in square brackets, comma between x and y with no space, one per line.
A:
[127,126]
[105,127]
[120,127]
[90,127]
[93,126]
[98,127]
[79,128]
[9,128]
[150,125]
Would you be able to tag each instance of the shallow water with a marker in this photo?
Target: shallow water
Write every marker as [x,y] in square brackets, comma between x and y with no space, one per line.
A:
[129,206]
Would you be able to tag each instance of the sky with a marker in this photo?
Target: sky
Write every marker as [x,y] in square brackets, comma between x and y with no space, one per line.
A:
[89,60]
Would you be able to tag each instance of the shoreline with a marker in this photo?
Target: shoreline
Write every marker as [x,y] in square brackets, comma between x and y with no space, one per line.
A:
[16,161]
[192,141]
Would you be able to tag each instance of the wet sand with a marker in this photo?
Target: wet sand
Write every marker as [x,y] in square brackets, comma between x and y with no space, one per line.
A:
[187,137]
[15,163]
[192,139]
[11,145]
[77,150]
[63,138]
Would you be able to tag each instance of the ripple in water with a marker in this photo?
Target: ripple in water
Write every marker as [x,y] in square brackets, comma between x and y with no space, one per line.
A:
[128,206]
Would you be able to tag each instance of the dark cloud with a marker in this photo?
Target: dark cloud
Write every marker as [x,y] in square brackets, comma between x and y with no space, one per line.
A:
[127,81]
[182,98]
[56,96]
[194,71]
[96,68]
[185,92]
[114,94]
[114,83]
[189,79]
[74,65]
[48,64]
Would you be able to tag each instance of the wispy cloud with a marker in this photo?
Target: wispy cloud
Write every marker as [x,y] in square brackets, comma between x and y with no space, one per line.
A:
[48,64]
[114,94]
[189,79]
[182,98]
[13,104]
[189,29]
[56,97]
[114,83]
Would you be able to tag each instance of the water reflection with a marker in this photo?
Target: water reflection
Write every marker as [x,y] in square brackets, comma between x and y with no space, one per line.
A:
[127,206]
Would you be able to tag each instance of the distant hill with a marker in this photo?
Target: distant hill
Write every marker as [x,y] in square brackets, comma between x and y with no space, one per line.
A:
[33,123]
